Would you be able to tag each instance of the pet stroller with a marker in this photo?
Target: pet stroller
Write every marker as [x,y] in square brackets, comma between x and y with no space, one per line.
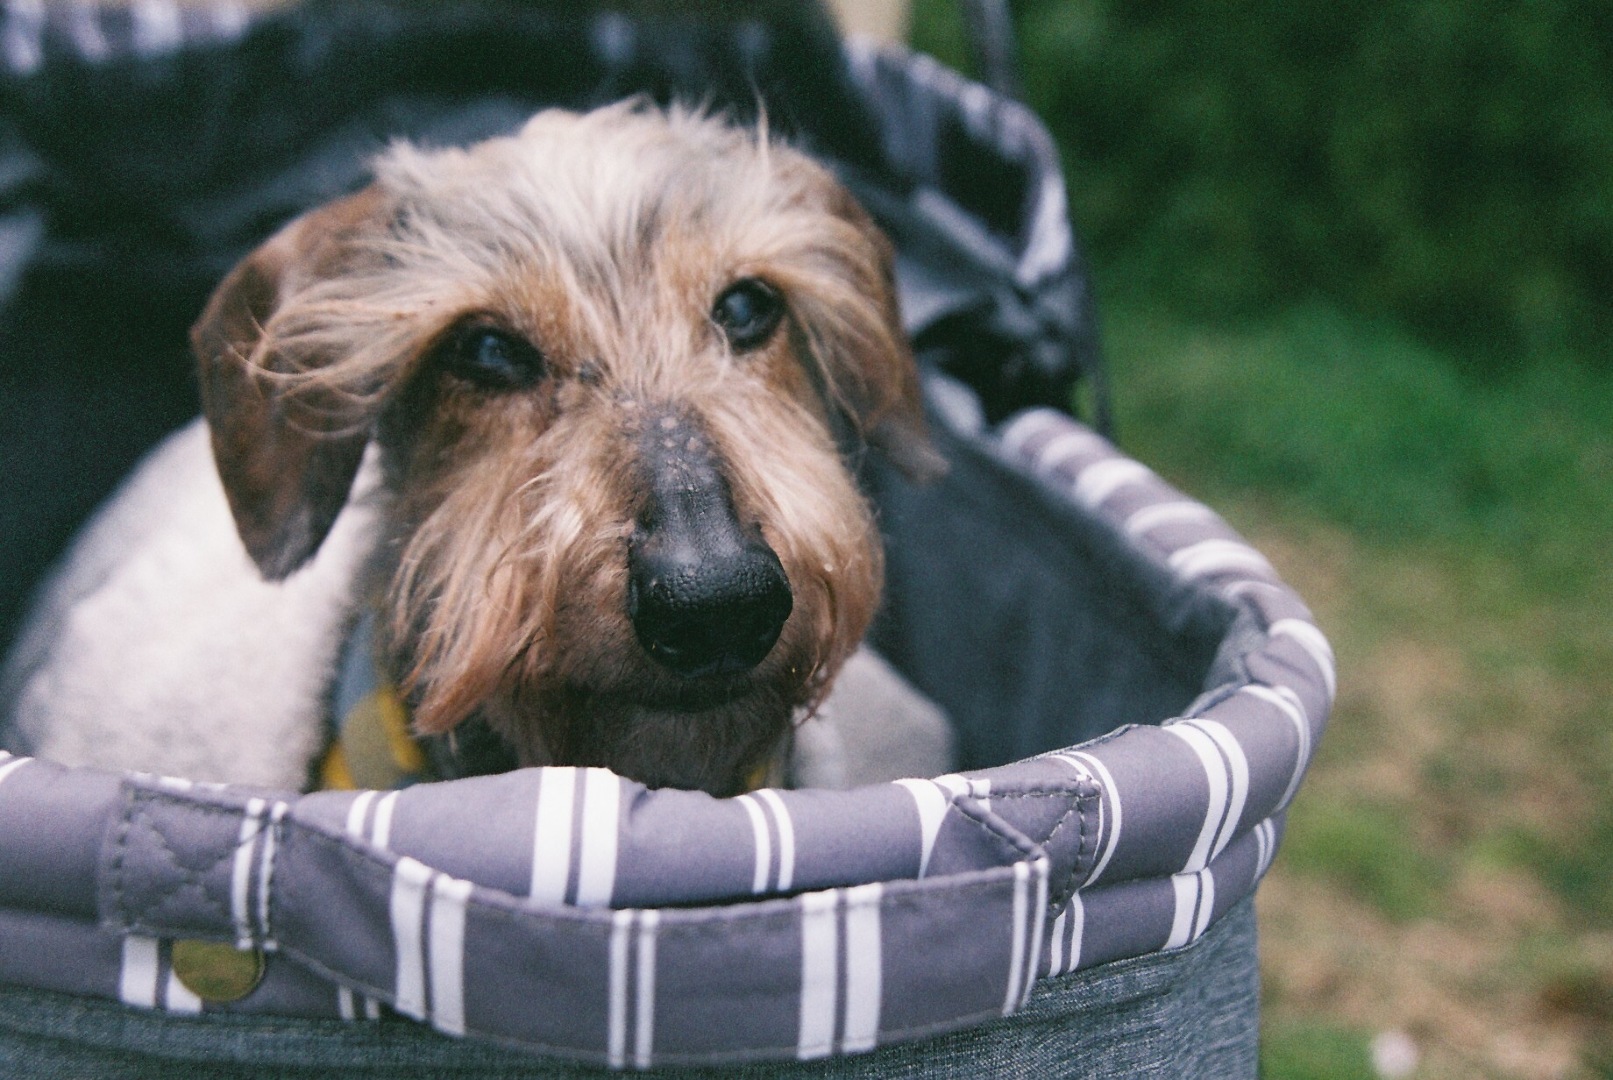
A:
[1135,695]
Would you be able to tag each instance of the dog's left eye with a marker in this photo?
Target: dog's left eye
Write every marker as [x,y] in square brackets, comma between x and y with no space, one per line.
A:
[748,312]
[491,358]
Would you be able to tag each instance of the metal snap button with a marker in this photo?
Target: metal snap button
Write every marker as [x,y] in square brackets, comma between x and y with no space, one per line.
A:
[216,971]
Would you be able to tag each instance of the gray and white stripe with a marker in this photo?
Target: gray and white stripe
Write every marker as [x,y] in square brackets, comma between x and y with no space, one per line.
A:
[1314,642]
[1287,702]
[1028,928]
[840,1004]
[1265,847]
[84,27]
[156,27]
[252,872]
[772,831]
[1227,771]
[268,844]
[630,1019]
[1090,768]
[1195,900]
[931,801]
[369,820]
[1064,937]
[241,872]
[1160,515]
[575,835]
[1208,558]
[1098,481]
[147,978]
[428,933]
[350,1005]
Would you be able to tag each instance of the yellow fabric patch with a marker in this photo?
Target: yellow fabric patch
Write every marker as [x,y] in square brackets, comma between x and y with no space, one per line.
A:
[373,748]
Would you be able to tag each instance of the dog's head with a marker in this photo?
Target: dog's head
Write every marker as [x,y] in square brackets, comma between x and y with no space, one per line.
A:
[614,364]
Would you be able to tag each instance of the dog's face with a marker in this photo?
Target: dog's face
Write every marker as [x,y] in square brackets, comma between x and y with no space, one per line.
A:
[613,364]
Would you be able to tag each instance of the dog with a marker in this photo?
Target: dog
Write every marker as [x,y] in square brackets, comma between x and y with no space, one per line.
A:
[575,412]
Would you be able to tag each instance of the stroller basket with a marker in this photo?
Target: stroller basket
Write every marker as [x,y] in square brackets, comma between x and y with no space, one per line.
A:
[1135,694]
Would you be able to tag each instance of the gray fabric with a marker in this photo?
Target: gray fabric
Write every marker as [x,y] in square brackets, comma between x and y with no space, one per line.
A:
[1189,1013]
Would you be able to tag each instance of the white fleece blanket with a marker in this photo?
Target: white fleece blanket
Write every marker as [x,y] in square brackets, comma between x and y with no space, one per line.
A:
[156,646]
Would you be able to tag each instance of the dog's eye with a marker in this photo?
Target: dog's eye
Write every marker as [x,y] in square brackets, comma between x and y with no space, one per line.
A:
[748,312]
[491,358]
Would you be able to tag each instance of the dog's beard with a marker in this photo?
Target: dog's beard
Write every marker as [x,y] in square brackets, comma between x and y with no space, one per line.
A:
[716,739]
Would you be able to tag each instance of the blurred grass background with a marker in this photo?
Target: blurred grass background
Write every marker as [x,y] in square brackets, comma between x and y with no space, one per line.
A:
[1355,270]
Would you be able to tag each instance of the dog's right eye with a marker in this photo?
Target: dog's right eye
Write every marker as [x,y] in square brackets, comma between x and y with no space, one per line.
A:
[491,358]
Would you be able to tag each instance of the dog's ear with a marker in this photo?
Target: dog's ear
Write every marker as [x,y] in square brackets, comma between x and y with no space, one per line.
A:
[287,448]
[881,385]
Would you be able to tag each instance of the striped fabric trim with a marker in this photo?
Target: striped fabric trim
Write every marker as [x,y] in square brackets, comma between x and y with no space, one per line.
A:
[428,934]
[1161,515]
[100,33]
[631,1015]
[773,835]
[1091,768]
[1266,839]
[1227,771]
[1288,703]
[842,971]
[1210,558]
[574,837]
[241,872]
[147,980]
[1104,479]
[354,1006]
[369,818]
[252,871]
[1232,746]
[784,828]
[1195,897]
[1315,643]
[366,826]
[266,863]
[931,801]
[551,836]
[1029,926]
[1064,938]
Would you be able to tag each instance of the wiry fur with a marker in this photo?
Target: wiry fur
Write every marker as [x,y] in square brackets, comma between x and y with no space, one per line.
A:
[603,239]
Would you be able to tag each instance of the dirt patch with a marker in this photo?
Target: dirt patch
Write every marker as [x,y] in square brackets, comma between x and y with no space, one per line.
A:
[1470,715]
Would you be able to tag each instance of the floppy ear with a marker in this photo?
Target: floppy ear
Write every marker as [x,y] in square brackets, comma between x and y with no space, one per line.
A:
[882,389]
[287,448]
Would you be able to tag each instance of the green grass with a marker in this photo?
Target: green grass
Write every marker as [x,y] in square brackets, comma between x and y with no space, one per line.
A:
[1366,428]
[1366,850]
[1314,1051]
[1453,534]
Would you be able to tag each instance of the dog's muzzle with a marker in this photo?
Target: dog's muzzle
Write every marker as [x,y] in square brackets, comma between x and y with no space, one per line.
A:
[706,595]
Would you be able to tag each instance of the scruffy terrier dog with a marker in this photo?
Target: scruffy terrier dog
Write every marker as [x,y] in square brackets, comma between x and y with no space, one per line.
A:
[613,369]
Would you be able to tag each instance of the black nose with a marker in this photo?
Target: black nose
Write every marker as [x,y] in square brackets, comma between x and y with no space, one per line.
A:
[706,595]
[697,614]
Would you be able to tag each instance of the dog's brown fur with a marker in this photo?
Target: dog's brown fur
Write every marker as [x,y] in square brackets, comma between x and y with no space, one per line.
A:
[603,240]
